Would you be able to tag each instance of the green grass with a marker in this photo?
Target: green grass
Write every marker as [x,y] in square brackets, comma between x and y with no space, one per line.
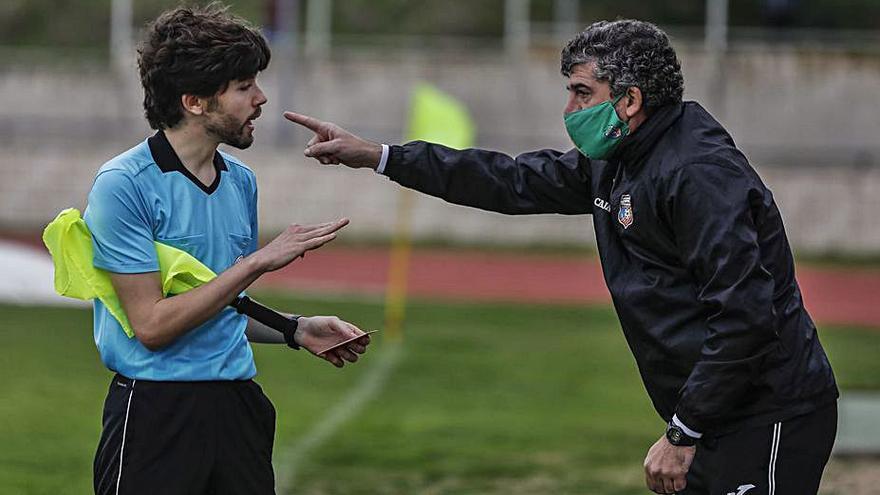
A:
[485,399]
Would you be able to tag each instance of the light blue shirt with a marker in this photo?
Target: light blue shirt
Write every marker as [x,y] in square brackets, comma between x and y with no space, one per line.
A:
[146,195]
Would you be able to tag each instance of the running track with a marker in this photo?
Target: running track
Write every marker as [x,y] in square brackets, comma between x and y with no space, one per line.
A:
[832,295]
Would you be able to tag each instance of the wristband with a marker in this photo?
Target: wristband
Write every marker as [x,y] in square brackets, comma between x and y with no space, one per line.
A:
[269,317]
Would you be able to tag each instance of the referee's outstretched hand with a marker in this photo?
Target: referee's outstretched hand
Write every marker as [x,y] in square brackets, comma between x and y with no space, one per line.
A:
[333,145]
[317,333]
[294,242]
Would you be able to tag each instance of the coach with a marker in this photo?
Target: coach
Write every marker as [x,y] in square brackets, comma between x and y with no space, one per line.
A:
[694,254]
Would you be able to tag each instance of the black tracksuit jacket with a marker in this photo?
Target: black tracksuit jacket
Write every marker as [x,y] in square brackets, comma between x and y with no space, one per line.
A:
[696,260]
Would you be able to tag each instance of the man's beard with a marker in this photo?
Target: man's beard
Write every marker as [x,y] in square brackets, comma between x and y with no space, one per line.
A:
[230,131]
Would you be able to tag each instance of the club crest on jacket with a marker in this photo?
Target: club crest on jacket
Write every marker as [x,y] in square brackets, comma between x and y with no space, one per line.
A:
[625,214]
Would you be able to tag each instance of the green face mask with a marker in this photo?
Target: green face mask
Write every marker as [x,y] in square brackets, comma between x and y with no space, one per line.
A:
[597,130]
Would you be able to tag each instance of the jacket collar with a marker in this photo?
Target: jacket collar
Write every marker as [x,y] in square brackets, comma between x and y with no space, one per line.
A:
[636,146]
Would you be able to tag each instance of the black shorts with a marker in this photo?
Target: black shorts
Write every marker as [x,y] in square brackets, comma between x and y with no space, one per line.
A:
[176,438]
[785,458]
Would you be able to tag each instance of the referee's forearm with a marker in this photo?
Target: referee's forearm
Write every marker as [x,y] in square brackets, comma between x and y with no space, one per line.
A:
[161,321]
[259,333]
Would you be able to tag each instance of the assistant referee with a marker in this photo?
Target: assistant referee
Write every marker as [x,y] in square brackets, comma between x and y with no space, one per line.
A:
[183,414]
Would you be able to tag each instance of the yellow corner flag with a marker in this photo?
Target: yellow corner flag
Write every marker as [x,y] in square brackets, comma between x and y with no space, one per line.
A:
[437,118]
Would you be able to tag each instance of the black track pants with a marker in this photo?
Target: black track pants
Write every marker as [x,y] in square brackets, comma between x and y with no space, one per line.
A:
[784,458]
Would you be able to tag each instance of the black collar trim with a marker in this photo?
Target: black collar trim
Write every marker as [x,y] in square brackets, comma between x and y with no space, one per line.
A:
[168,161]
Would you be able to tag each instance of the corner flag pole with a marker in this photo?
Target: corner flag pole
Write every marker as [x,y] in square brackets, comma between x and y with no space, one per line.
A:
[398,269]
[438,118]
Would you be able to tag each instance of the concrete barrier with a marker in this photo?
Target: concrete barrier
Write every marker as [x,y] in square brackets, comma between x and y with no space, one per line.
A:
[807,120]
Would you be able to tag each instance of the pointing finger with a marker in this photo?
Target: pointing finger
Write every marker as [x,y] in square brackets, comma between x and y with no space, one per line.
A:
[305,121]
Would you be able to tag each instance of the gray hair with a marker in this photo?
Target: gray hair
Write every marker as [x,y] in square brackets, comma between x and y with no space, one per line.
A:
[628,53]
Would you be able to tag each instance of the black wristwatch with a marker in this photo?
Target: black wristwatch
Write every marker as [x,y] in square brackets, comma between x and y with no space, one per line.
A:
[678,437]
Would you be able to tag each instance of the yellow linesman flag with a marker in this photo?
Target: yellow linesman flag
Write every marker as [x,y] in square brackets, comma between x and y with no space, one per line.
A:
[439,118]
[70,243]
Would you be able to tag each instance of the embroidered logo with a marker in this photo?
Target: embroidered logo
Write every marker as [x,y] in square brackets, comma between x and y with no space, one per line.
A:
[625,214]
[601,203]
[613,132]
[742,489]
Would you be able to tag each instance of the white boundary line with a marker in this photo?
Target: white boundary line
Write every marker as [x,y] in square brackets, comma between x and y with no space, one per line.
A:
[291,458]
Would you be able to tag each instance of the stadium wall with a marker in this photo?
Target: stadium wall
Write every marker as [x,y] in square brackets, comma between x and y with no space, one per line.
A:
[807,119]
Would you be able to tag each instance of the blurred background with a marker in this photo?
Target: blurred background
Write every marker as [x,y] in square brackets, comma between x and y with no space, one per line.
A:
[512,376]
[794,81]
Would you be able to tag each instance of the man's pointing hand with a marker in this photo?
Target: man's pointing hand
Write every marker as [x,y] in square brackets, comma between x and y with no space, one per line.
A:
[333,145]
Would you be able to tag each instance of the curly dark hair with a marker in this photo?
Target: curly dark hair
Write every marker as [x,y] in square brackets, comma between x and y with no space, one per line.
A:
[629,53]
[195,51]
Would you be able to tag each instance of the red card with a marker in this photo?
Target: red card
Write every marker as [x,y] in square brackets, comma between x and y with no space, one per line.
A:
[344,342]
